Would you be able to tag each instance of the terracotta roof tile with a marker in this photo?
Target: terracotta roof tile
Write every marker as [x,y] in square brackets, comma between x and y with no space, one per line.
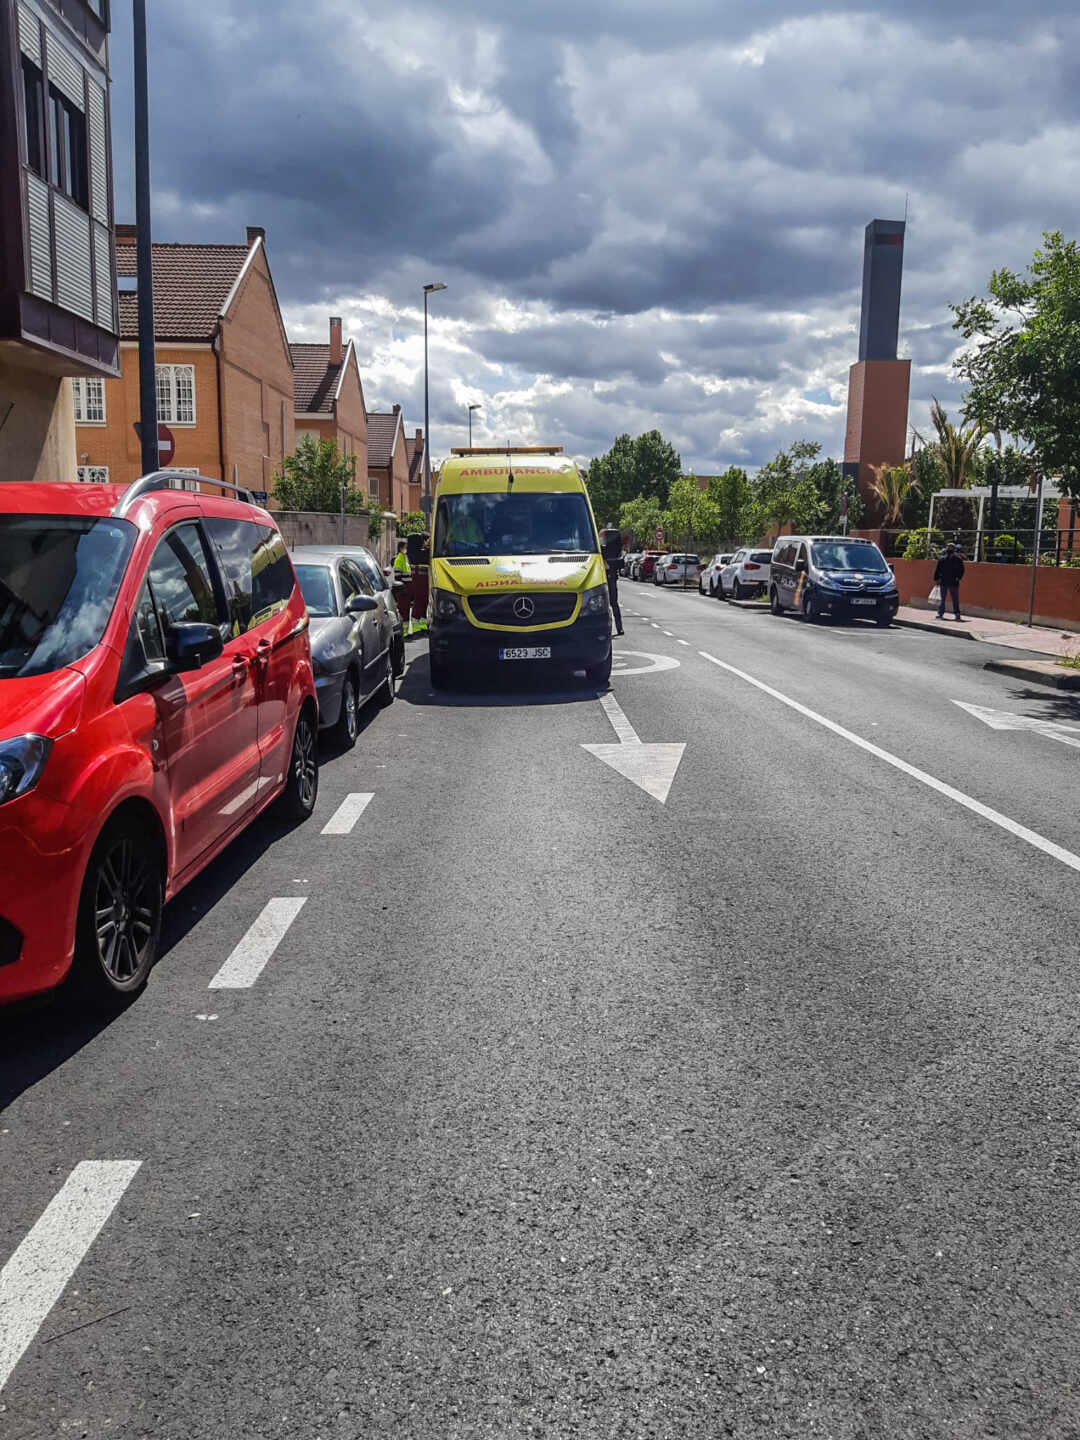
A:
[381,430]
[315,380]
[191,284]
[415,455]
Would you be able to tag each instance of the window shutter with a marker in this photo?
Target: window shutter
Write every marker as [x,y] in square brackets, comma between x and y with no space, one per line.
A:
[39,260]
[99,154]
[30,35]
[74,290]
[66,73]
[103,278]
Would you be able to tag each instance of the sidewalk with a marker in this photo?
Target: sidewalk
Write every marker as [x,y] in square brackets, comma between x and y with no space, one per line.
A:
[1036,640]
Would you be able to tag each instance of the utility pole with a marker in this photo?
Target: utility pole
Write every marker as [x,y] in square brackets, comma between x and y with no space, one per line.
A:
[148,414]
[426,502]
[1035,546]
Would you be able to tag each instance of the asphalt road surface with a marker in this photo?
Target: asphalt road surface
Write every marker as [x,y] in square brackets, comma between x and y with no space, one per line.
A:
[602,1092]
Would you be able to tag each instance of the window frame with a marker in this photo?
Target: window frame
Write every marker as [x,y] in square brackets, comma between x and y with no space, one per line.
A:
[68,149]
[33,81]
[80,390]
[170,370]
[212,570]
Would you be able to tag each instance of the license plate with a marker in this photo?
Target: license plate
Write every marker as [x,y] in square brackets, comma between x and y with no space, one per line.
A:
[867,601]
[526,652]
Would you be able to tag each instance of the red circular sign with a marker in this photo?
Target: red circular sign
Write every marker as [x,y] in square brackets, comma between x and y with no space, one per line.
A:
[166,445]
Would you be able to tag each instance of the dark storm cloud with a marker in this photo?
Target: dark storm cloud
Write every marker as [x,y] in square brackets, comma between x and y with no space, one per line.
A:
[647,214]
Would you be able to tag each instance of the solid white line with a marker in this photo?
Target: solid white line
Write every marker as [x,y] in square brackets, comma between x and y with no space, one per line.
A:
[620,724]
[684,642]
[347,814]
[1030,837]
[34,1278]
[669,635]
[248,960]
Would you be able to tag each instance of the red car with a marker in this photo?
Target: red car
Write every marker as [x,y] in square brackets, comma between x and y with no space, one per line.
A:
[156,694]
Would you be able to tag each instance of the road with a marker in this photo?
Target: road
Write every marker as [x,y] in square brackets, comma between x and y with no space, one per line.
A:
[565,1107]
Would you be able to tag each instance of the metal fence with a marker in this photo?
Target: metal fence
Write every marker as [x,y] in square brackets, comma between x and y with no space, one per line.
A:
[1002,547]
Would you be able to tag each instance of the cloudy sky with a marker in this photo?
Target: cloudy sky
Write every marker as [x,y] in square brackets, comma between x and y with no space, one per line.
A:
[647,214]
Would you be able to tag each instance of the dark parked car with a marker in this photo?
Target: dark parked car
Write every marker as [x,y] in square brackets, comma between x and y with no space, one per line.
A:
[381,588]
[834,575]
[349,651]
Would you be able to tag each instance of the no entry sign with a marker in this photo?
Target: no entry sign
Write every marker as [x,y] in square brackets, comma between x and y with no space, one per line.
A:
[166,443]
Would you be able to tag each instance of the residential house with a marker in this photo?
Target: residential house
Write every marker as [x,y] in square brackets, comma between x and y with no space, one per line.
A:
[388,461]
[330,397]
[57,272]
[224,368]
[414,450]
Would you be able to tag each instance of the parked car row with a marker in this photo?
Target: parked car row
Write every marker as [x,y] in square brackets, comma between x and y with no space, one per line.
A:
[739,576]
[163,675]
[662,567]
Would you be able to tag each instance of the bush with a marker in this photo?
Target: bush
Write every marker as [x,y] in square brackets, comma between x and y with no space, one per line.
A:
[918,543]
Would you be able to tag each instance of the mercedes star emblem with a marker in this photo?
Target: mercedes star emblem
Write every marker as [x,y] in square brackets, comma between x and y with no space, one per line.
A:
[524,608]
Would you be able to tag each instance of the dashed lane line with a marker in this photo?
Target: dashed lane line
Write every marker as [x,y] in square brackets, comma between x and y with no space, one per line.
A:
[35,1277]
[347,814]
[684,642]
[249,959]
[1030,837]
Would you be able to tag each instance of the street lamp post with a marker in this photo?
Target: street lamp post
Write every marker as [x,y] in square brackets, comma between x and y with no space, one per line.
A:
[471,409]
[148,415]
[428,290]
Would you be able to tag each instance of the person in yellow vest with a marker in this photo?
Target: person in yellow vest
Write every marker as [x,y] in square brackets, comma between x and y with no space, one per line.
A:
[402,579]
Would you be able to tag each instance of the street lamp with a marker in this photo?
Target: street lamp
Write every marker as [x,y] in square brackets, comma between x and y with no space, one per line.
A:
[428,290]
[471,409]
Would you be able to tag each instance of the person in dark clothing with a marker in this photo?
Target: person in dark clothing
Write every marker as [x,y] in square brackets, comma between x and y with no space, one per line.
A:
[947,576]
[611,546]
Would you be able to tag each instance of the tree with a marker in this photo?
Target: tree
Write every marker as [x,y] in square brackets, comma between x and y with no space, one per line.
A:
[733,498]
[957,447]
[415,523]
[631,469]
[313,477]
[657,466]
[642,517]
[892,484]
[693,516]
[1023,367]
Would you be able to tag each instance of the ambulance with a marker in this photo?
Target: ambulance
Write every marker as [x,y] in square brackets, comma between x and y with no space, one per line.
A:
[517,576]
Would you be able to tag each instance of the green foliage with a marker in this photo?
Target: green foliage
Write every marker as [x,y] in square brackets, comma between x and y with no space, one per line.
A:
[641,517]
[1024,357]
[415,523]
[919,543]
[796,488]
[693,516]
[1070,662]
[313,477]
[892,484]
[632,469]
[733,498]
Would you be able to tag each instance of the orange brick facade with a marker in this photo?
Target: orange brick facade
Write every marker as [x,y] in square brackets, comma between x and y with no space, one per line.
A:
[346,425]
[243,381]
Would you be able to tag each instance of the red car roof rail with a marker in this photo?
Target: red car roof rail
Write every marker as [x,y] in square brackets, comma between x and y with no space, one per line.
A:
[171,480]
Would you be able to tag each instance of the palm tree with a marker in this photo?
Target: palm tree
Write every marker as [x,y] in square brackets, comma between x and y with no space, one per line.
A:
[957,446]
[892,485]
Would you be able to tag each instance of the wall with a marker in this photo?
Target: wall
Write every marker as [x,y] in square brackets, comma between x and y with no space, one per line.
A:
[877,417]
[37,439]
[116,444]
[306,527]
[1000,592]
[352,420]
[256,382]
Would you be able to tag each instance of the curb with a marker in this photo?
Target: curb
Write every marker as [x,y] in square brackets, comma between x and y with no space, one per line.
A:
[934,629]
[1040,672]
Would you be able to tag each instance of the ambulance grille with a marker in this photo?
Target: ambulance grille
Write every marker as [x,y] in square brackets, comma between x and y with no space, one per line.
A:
[471,560]
[499,609]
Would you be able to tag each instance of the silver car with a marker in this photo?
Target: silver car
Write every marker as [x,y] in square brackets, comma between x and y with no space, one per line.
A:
[349,650]
[393,630]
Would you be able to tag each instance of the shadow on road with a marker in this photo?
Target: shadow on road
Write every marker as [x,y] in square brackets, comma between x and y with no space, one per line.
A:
[1047,704]
[494,689]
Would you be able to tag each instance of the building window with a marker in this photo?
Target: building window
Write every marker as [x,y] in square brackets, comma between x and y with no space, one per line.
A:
[69,168]
[34,115]
[189,470]
[89,401]
[176,394]
[92,474]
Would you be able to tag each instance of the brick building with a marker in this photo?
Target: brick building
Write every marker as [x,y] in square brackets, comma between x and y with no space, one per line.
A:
[414,451]
[57,272]
[224,368]
[329,397]
[388,460]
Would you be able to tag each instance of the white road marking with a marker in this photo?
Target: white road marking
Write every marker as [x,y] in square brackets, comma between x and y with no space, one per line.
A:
[652,663]
[684,642]
[651,768]
[36,1275]
[1030,837]
[655,626]
[249,959]
[669,635]
[347,814]
[1006,720]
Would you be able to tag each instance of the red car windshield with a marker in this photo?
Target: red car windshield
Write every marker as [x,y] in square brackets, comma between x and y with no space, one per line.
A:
[59,575]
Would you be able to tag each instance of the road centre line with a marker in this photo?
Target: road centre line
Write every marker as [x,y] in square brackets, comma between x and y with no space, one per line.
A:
[249,959]
[347,814]
[684,642]
[1030,837]
[35,1277]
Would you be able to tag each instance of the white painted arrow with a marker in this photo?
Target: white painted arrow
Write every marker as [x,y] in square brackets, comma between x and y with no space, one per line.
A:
[651,768]
[1006,720]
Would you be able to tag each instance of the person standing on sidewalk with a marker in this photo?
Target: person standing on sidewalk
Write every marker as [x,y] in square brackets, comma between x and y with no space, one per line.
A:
[947,577]
[402,582]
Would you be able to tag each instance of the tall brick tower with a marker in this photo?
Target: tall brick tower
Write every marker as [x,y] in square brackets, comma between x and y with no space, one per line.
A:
[879,384]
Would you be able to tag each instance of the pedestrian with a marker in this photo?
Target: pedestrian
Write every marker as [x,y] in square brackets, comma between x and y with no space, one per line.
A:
[947,577]
[611,542]
[402,578]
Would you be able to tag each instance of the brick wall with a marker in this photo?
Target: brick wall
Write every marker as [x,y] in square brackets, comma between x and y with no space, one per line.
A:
[258,403]
[876,434]
[1000,592]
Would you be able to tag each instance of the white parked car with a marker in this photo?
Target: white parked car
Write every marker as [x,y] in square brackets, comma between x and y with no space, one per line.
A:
[677,569]
[746,575]
[709,579]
